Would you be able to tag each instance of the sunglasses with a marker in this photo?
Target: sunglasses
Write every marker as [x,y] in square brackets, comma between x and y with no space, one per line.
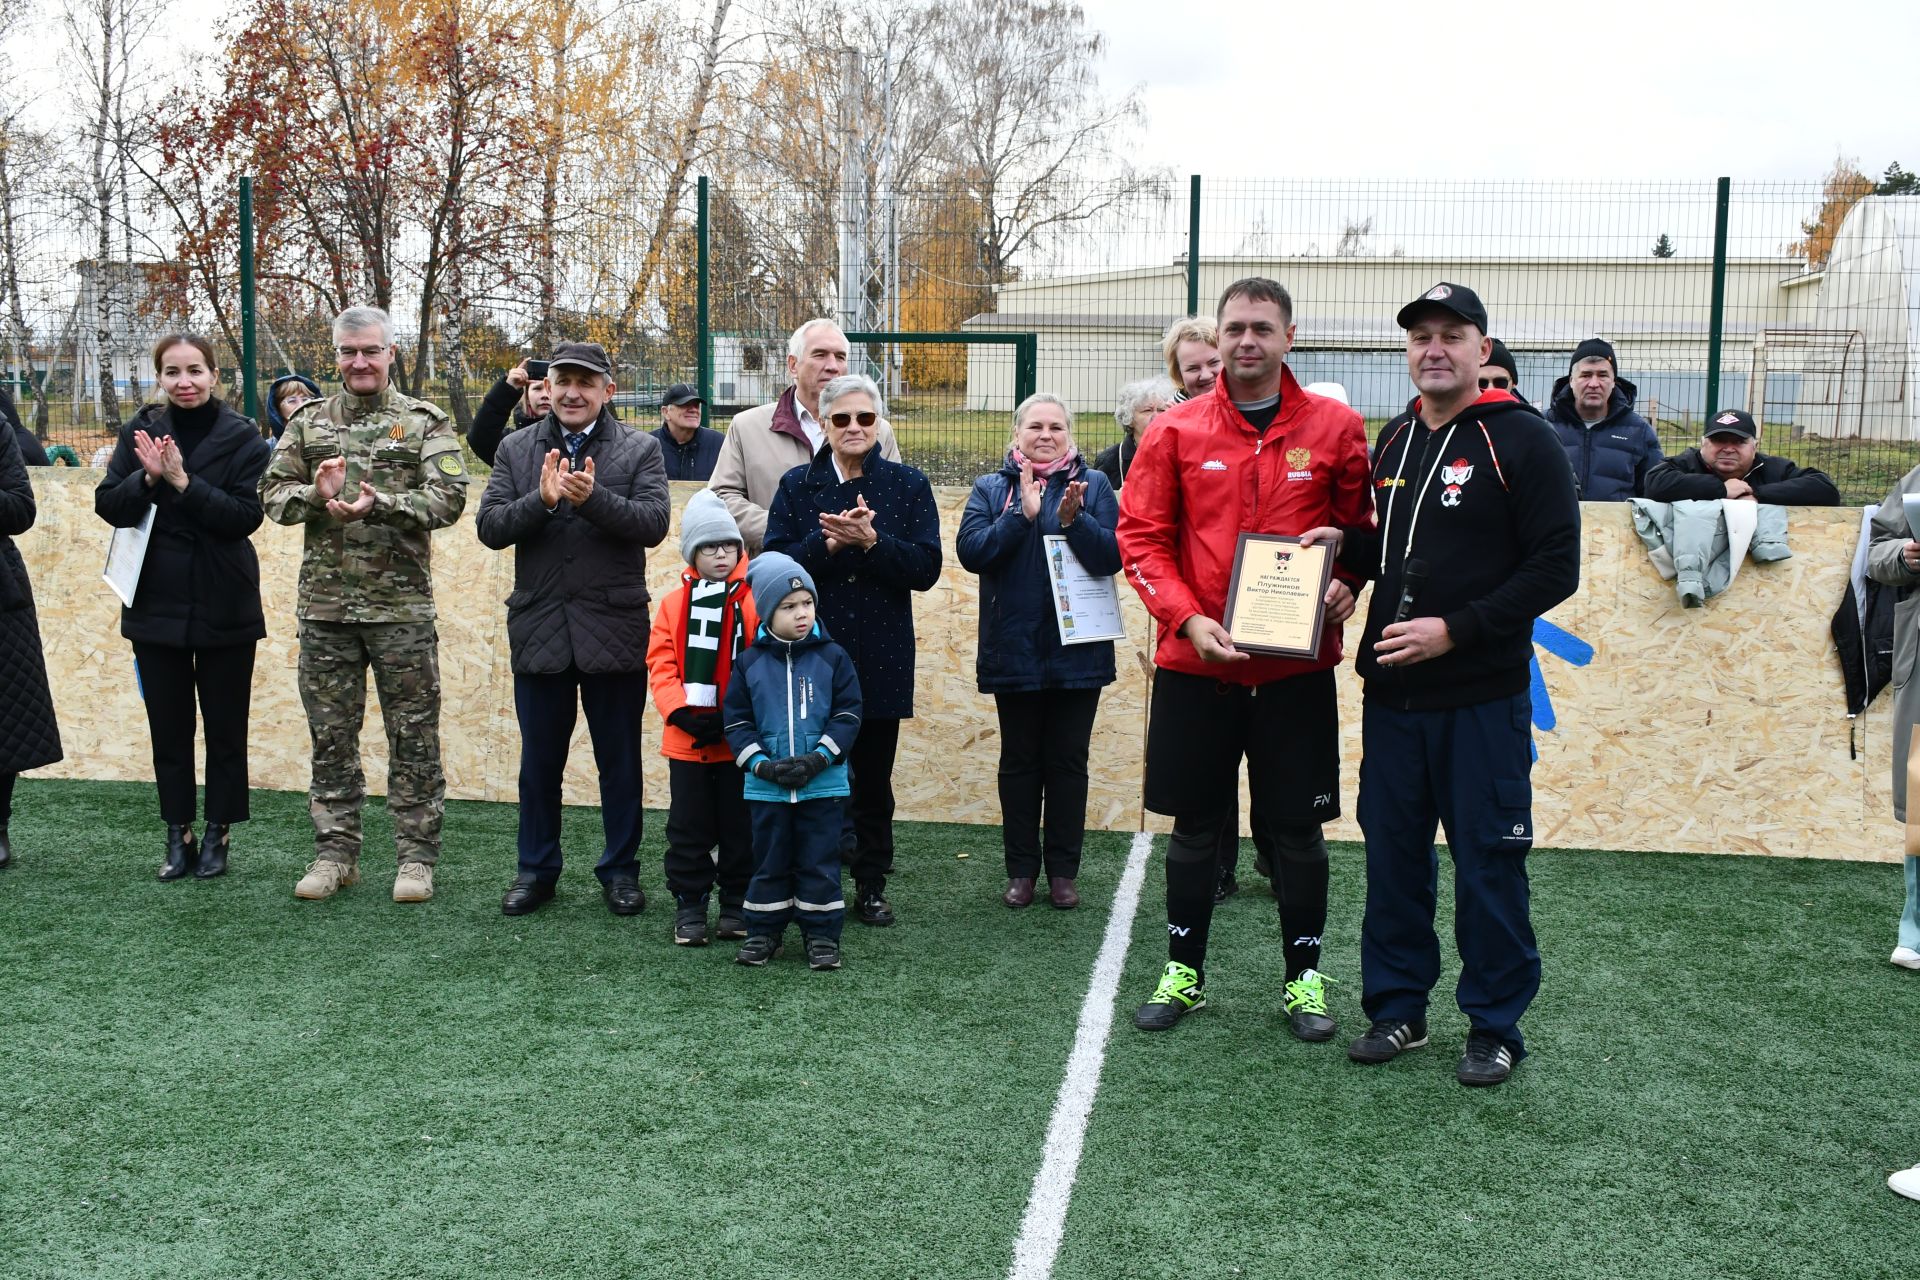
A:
[865,419]
[1498,384]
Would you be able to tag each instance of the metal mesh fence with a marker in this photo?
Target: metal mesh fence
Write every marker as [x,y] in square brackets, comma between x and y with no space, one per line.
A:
[1816,333]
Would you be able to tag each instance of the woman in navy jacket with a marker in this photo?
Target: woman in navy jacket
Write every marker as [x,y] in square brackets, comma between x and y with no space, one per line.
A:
[1046,692]
[869,533]
[196,616]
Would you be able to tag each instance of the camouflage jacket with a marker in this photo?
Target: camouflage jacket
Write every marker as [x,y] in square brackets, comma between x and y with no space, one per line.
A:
[378,568]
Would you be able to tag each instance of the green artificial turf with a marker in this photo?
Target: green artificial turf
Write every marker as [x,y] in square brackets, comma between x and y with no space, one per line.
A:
[215,1080]
[1722,1071]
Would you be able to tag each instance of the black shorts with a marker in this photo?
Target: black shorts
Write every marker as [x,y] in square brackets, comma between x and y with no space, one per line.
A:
[1288,730]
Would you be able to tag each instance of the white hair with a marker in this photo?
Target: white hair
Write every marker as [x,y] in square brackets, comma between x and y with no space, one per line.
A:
[846,384]
[1042,397]
[1135,396]
[360,319]
[797,344]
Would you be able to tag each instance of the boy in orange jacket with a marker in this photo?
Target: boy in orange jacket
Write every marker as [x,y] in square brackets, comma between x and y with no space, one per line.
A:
[698,634]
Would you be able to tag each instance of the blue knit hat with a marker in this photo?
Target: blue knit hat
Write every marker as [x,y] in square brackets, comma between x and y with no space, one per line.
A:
[773,577]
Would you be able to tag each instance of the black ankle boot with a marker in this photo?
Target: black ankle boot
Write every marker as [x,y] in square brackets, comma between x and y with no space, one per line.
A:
[6,849]
[182,853]
[213,851]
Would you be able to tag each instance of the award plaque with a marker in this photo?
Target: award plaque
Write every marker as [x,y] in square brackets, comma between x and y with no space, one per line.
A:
[1277,601]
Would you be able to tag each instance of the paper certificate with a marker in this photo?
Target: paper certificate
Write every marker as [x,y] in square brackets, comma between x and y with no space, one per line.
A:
[125,554]
[1085,607]
[1276,603]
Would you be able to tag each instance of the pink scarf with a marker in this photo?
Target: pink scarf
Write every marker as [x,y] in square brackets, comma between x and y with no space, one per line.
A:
[1044,469]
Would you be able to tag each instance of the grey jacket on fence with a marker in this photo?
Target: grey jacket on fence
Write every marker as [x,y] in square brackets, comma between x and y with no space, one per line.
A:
[1688,543]
[579,573]
[1884,564]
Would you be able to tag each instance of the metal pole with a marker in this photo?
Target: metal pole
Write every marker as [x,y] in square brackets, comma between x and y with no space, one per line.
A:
[1717,317]
[1193,246]
[249,379]
[702,319]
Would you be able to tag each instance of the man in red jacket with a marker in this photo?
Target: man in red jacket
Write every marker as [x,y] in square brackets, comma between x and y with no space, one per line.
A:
[1255,454]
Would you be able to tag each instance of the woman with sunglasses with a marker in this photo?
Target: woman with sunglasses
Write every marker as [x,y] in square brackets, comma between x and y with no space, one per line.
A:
[195,619]
[1046,692]
[869,533]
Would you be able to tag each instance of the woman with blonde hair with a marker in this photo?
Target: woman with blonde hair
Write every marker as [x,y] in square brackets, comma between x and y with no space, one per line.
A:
[1192,351]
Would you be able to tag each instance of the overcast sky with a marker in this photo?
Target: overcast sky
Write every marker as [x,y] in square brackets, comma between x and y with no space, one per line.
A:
[1631,89]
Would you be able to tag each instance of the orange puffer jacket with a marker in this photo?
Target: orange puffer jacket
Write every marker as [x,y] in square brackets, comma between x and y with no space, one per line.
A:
[667,663]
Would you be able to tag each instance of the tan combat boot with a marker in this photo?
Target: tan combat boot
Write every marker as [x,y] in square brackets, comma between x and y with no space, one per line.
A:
[325,878]
[414,883]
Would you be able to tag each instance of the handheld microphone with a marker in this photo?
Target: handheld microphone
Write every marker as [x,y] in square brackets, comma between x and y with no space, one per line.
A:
[1413,576]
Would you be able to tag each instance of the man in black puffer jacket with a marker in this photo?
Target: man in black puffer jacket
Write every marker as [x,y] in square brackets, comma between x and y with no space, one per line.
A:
[580,496]
[1610,446]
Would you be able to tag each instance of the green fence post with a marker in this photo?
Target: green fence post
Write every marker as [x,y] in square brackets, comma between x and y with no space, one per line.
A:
[1026,369]
[1717,317]
[702,319]
[1193,245]
[249,379]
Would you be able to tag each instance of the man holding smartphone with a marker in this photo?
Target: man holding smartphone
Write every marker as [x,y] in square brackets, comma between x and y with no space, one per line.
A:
[521,397]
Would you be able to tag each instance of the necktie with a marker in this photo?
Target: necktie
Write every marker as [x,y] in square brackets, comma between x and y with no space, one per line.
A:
[574,439]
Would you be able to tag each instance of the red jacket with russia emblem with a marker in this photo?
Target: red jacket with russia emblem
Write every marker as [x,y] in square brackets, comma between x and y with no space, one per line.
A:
[1203,476]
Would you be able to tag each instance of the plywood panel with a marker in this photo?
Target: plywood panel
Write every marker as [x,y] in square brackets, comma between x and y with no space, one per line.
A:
[1720,729]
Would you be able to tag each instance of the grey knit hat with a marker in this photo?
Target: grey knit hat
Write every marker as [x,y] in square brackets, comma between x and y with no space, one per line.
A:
[706,521]
[774,576]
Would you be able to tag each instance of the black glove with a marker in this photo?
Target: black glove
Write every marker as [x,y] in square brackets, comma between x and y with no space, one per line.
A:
[796,772]
[702,724]
[763,769]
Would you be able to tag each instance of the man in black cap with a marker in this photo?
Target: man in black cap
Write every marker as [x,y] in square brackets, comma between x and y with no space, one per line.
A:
[1729,464]
[690,450]
[1478,534]
[1500,373]
[579,496]
[1610,446]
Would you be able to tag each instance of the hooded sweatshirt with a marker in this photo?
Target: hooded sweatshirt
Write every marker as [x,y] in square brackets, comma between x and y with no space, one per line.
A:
[1487,502]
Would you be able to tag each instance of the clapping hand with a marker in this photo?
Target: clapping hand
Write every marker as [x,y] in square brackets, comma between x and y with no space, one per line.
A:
[1032,490]
[1072,501]
[550,473]
[152,456]
[329,477]
[576,486]
[851,528]
[348,512]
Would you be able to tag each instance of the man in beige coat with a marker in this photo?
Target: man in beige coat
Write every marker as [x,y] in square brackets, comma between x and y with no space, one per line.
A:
[1893,557]
[766,442]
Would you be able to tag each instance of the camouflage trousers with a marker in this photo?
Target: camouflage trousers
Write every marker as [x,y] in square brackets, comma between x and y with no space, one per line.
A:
[405,657]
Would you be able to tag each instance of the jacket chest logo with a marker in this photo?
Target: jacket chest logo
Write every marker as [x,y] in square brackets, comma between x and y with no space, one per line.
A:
[1454,475]
[1299,464]
[396,432]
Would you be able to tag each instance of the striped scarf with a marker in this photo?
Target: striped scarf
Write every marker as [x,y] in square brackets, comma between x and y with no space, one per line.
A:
[715,636]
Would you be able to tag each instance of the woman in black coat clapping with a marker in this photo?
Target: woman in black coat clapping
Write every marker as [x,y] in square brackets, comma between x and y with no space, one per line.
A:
[196,616]
[29,737]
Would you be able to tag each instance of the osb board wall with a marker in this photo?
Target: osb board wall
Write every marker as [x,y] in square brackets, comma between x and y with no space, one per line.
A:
[1720,729]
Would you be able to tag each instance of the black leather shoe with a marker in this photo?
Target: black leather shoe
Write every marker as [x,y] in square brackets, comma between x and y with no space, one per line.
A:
[213,851]
[527,894]
[6,848]
[182,853]
[873,908]
[624,897]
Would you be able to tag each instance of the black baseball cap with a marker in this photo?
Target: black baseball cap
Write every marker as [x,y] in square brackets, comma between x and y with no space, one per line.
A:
[582,355]
[1732,422]
[680,393]
[1445,296]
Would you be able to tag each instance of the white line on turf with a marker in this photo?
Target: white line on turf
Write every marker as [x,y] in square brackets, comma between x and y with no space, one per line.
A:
[1046,1217]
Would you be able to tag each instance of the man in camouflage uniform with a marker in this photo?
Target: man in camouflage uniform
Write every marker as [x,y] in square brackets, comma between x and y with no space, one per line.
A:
[370,473]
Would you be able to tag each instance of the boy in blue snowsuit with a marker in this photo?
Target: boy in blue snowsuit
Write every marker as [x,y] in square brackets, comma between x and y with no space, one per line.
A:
[792,711]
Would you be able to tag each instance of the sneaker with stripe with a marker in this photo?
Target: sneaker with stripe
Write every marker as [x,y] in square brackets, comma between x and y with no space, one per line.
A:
[1487,1060]
[1387,1039]
[1178,995]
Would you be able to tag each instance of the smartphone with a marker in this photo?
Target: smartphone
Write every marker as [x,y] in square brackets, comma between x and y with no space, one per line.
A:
[536,370]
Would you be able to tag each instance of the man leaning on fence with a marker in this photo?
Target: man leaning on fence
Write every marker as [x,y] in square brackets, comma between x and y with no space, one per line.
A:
[765,443]
[370,473]
[1728,464]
